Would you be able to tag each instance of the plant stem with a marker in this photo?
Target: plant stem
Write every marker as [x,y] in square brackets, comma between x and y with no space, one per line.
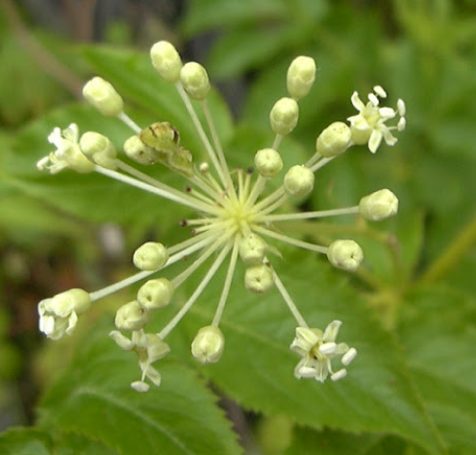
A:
[454,252]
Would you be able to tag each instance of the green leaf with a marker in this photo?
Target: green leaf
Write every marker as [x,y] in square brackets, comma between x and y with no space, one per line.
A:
[208,14]
[237,52]
[25,442]
[328,442]
[93,397]
[439,334]
[30,441]
[257,367]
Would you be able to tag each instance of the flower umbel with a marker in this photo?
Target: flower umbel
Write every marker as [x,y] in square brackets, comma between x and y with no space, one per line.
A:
[236,213]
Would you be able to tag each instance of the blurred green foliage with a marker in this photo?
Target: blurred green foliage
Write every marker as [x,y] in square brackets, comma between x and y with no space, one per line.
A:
[411,312]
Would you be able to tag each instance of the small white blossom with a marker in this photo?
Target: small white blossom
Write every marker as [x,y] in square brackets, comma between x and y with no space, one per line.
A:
[317,348]
[59,314]
[149,348]
[67,153]
[369,125]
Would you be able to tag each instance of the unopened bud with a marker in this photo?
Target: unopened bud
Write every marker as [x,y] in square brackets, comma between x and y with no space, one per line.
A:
[150,256]
[132,316]
[166,61]
[195,80]
[155,294]
[252,249]
[100,149]
[300,77]
[379,205]
[208,345]
[299,181]
[259,279]
[63,304]
[284,116]
[334,140]
[268,162]
[137,151]
[345,255]
[103,96]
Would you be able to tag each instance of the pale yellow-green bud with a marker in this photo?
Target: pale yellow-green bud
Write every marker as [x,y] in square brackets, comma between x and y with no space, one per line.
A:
[137,151]
[132,316]
[150,256]
[259,278]
[345,255]
[155,294]
[379,205]
[66,302]
[299,181]
[75,158]
[103,96]
[334,140]
[300,77]
[252,249]
[99,148]
[208,344]
[166,61]
[195,80]
[284,116]
[268,162]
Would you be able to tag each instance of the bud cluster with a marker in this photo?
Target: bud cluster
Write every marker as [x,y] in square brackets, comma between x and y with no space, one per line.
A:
[239,213]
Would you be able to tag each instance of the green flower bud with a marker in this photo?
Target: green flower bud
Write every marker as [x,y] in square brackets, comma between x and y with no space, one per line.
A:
[137,151]
[155,294]
[166,61]
[379,205]
[195,81]
[150,256]
[299,181]
[100,149]
[268,162]
[208,344]
[334,140]
[345,255]
[259,279]
[132,316]
[300,77]
[252,249]
[284,116]
[103,96]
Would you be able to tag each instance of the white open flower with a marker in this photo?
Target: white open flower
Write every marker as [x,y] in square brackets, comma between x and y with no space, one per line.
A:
[317,348]
[369,125]
[235,214]
[149,348]
[59,314]
[67,153]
